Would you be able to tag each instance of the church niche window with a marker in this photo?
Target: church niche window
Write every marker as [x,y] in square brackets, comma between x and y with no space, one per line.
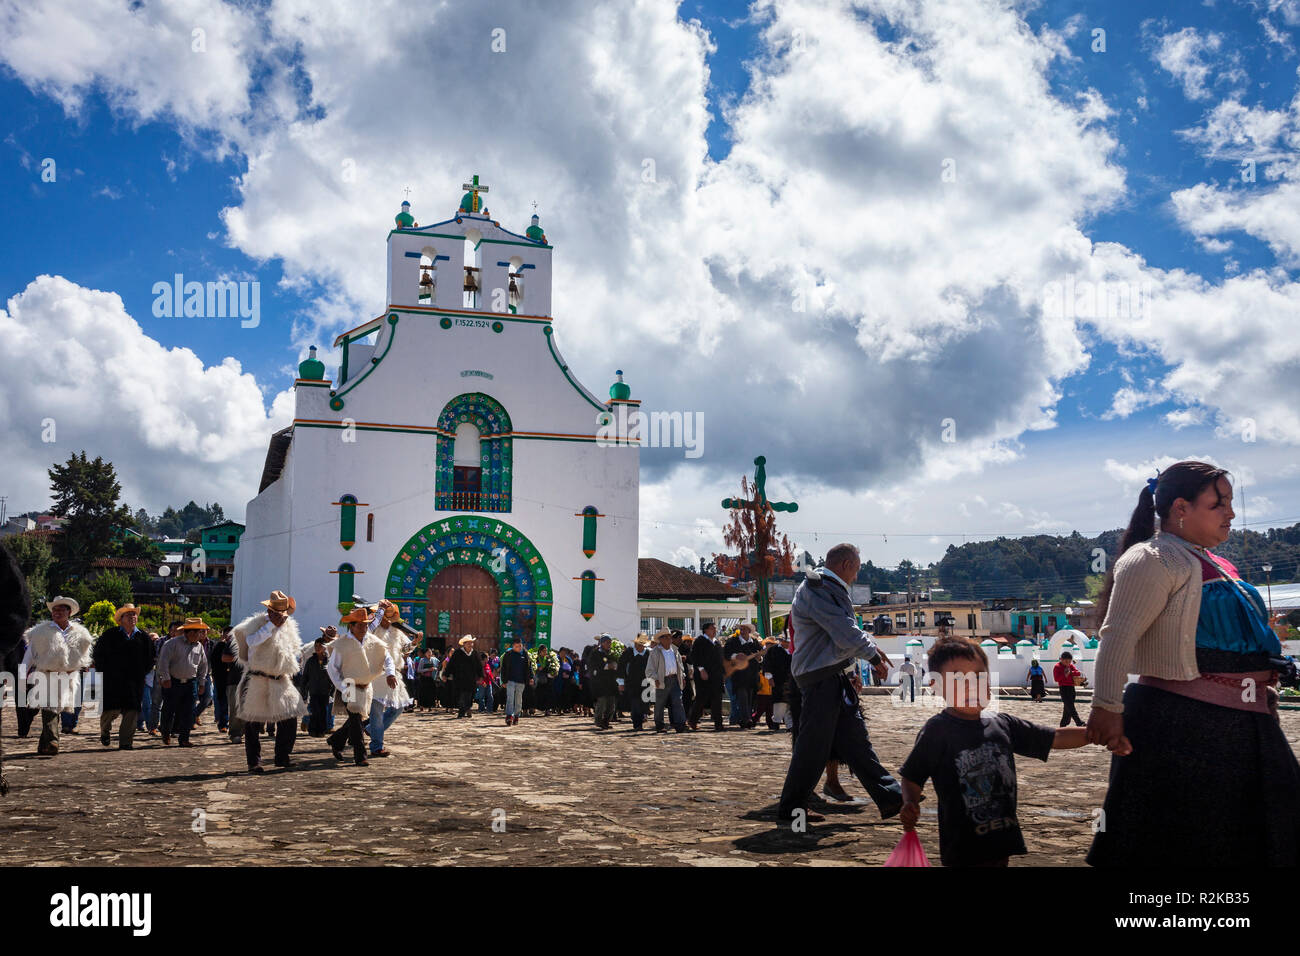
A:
[474,457]
[428,277]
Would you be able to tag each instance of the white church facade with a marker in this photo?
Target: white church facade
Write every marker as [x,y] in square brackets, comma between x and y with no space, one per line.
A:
[456,467]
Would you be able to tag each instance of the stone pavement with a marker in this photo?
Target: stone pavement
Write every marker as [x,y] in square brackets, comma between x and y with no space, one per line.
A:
[561,792]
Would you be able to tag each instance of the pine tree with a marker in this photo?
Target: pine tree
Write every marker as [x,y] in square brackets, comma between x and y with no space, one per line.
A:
[85,495]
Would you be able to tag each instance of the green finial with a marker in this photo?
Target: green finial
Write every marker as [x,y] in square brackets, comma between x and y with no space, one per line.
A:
[311,367]
[618,390]
[404,219]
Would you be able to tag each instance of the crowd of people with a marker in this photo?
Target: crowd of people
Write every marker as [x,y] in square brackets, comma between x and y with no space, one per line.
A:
[1173,612]
[259,678]
[670,673]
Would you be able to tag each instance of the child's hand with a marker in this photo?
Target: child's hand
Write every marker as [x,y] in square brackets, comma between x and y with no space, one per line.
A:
[1120,746]
[910,813]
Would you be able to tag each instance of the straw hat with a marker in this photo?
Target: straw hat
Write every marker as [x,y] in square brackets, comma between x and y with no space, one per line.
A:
[117,615]
[467,639]
[358,614]
[194,624]
[664,633]
[60,599]
[279,601]
[391,614]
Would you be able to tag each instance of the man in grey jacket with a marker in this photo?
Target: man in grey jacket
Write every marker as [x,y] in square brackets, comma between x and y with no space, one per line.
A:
[826,638]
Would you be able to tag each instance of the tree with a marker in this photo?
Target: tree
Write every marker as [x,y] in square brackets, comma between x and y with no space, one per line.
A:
[761,554]
[85,495]
[111,586]
[35,558]
[100,617]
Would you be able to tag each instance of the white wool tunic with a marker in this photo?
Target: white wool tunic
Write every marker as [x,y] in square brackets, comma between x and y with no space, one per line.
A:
[51,651]
[353,668]
[271,658]
[396,642]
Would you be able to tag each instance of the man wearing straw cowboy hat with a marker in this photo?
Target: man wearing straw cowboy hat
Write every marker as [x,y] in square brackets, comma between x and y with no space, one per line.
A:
[269,649]
[57,650]
[357,660]
[389,699]
[465,667]
[182,669]
[665,667]
[123,655]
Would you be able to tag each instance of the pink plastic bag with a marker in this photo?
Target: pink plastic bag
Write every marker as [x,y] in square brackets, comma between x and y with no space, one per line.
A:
[908,852]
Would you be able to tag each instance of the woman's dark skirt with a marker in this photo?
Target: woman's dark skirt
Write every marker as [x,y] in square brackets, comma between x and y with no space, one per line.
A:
[1204,786]
[428,692]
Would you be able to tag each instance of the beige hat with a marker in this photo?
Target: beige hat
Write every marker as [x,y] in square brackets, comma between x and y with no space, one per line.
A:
[60,599]
[194,624]
[117,615]
[664,633]
[467,639]
[279,601]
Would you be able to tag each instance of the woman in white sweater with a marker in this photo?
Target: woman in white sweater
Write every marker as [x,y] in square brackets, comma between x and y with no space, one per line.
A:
[1211,779]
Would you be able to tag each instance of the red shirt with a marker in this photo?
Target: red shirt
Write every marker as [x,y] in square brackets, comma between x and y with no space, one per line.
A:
[1064,674]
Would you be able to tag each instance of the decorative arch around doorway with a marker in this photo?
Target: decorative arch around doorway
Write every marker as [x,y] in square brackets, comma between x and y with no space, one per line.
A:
[521,577]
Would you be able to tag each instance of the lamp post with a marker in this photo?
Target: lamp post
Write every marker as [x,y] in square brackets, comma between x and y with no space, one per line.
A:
[1268,570]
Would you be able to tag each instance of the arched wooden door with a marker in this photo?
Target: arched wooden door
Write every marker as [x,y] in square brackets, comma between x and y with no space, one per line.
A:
[471,601]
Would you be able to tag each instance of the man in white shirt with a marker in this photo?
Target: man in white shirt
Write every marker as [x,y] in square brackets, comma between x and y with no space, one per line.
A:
[57,651]
[358,659]
[668,672]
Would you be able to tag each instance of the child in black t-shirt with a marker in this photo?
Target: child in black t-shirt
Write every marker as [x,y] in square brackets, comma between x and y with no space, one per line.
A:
[971,760]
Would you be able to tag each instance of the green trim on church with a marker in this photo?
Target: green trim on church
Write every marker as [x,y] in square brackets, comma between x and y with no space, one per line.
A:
[550,343]
[336,402]
[522,578]
[495,455]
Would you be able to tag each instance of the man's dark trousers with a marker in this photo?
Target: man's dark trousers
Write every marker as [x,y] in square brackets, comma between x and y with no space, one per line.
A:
[743,695]
[464,701]
[286,734]
[636,707]
[348,733]
[1068,712]
[318,710]
[708,694]
[178,716]
[828,726]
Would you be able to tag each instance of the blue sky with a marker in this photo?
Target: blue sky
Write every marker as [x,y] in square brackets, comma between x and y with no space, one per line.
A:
[149,168]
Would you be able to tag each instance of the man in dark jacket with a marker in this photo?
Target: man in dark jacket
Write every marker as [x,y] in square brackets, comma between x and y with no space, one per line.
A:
[122,656]
[465,668]
[706,658]
[635,678]
[516,674]
[776,664]
[317,686]
[219,668]
[225,655]
[603,670]
[740,649]
[15,609]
